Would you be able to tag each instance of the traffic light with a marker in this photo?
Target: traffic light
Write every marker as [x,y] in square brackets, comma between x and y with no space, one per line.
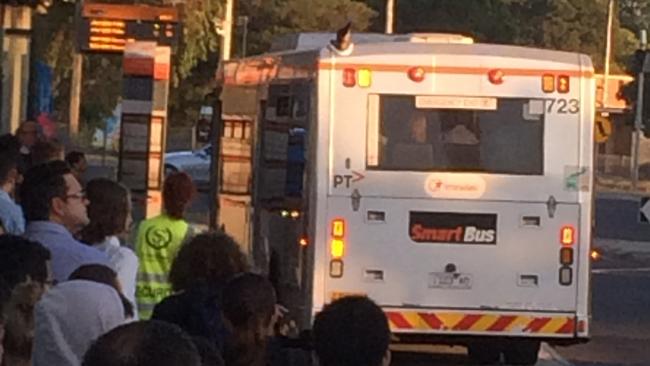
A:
[638,63]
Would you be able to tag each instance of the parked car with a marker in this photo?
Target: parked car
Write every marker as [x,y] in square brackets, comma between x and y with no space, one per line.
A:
[196,163]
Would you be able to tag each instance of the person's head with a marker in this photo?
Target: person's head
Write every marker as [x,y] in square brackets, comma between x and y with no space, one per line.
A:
[102,274]
[10,145]
[109,210]
[46,151]
[23,260]
[51,193]
[143,343]
[178,191]
[248,306]
[28,133]
[209,257]
[77,161]
[9,175]
[26,275]
[352,331]
[418,124]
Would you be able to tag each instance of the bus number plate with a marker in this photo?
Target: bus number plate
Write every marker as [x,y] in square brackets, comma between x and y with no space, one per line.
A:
[454,281]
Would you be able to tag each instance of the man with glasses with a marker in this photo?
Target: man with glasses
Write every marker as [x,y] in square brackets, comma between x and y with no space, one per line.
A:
[55,209]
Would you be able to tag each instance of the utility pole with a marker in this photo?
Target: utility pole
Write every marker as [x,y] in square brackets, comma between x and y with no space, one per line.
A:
[226,32]
[390,11]
[75,93]
[224,29]
[608,50]
[242,21]
[638,120]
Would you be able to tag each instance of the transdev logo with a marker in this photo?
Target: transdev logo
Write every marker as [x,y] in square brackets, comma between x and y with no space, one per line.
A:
[455,185]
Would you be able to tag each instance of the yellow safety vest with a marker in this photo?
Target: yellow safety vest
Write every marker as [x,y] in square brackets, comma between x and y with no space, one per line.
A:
[157,244]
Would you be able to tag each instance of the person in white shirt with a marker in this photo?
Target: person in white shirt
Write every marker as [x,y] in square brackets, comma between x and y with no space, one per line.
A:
[69,317]
[109,211]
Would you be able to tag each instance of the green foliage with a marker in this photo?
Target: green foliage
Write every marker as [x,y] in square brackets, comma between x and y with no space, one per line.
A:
[270,18]
[571,25]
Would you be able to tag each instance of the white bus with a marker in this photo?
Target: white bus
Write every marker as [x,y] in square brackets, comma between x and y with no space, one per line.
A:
[449,181]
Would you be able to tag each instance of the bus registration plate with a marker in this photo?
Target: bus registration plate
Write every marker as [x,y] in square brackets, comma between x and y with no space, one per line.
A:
[454,281]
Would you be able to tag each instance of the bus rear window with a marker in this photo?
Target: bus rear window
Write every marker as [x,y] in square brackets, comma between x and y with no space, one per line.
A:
[456,134]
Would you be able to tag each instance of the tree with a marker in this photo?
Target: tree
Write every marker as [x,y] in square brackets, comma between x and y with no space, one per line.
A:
[570,25]
[270,18]
[194,63]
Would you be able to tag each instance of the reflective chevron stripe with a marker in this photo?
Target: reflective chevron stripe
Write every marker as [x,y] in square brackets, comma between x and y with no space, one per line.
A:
[461,322]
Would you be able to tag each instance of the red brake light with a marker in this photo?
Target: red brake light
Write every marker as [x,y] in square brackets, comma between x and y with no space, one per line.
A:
[349,78]
[563,84]
[417,74]
[496,76]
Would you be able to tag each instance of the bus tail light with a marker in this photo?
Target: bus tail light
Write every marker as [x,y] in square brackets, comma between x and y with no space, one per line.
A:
[338,228]
[548,83]
[337,248]
[563,84]
[567,235]
[566,256]
[417,74]
[566,276]
[496,76]
[349,78]
[336,268]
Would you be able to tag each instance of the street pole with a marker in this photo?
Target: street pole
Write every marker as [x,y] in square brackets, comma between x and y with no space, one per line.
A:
[216,130]
[608,50]
[638,117]
[75,93]
[242,21]
[390,11]
[226,29]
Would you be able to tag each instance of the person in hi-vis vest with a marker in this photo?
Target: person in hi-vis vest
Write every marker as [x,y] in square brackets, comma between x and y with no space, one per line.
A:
[159,239]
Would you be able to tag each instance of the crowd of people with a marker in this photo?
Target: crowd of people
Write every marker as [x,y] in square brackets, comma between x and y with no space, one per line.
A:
[73,292]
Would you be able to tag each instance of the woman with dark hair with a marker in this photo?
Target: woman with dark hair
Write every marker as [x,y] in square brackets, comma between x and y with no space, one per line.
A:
[249,310]
[197,276]
[109,211]
[159,239]
[101,274]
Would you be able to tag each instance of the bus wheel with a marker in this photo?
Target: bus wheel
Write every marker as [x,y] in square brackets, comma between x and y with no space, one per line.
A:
[484,353]
[521,352]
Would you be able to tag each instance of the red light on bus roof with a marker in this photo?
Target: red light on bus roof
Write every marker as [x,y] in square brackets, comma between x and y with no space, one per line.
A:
[496,76]
[563,84]
[349,78]
[416,74]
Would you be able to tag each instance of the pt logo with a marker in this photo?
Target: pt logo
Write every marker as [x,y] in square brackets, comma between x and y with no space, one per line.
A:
[347,179]
[158,237]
